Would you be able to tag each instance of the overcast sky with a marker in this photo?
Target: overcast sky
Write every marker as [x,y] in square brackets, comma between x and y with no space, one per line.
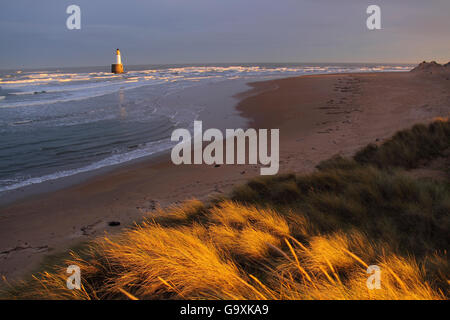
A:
[33,33]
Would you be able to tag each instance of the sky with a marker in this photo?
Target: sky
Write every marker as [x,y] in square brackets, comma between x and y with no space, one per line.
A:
[33,33]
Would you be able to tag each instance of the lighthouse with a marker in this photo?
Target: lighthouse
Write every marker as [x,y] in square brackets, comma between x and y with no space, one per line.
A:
[118,66]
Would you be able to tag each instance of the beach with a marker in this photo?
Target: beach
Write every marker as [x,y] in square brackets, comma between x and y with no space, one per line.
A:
[318,116]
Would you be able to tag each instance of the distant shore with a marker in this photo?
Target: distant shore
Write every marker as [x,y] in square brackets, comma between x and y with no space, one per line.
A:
[318,116]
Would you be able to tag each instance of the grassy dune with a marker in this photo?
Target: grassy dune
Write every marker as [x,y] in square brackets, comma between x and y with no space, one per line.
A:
[286,237]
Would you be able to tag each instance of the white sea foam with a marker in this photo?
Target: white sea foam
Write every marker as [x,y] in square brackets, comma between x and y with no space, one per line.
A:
[43,88]
[148,150]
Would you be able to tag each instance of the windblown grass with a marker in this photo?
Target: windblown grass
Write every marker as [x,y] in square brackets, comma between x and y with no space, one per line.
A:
[282,237]
[409,148]
[251,255]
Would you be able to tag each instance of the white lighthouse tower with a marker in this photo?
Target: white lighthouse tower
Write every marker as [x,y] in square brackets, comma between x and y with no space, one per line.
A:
[118,66]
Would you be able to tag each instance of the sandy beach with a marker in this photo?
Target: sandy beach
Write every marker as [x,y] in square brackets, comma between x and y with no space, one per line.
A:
[318,116]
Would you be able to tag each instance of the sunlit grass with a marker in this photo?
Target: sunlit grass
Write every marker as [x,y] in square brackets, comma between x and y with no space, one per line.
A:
[244,257]
[282,237]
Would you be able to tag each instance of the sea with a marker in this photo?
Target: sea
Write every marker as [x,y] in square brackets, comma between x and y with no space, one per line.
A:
[57,122]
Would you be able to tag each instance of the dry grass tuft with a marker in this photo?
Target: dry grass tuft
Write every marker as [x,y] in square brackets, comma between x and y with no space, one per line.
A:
[237,254]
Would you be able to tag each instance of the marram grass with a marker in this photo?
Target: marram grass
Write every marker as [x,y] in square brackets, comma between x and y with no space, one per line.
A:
[283,237]
[249,253]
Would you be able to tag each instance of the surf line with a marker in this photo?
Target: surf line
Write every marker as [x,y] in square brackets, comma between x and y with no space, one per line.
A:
[213,153]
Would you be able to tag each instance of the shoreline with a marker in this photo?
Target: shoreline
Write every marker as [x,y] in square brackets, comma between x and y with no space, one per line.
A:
[222,99]
[318,116]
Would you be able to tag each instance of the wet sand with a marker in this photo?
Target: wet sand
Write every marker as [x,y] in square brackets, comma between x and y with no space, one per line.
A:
[318,116]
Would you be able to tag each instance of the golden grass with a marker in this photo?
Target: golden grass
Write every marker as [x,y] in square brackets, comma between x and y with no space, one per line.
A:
[285,237]
[237,252]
